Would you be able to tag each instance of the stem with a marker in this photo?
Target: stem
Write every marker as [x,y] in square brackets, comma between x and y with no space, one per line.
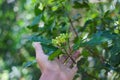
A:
[69,56]
[70,50]
[72,26]
[66,59]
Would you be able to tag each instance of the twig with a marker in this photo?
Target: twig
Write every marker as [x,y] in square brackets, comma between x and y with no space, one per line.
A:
[72,26]
[69,56]
[70,50]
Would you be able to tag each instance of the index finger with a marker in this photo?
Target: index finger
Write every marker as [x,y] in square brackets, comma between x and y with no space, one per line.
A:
[41,58]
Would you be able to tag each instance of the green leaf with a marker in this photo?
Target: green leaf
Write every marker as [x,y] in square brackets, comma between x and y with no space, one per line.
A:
[34,28]
[77,43]
[81,62]
[35,23]
[87,23]
[55,54]
[28,64]
[78,4]
[48,49]
[115,60]
[41,39]
[36,20]
[99,38]
[80,65]
[96,41]
[37,10]
[107,13]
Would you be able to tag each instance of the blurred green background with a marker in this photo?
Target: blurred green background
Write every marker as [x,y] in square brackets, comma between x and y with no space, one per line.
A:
[15,51]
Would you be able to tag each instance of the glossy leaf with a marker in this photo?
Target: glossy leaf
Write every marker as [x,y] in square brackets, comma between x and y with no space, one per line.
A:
[55,54]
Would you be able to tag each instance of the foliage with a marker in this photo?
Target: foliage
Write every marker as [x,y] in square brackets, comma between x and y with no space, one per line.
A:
[62,27]
[94,28]
[13,41]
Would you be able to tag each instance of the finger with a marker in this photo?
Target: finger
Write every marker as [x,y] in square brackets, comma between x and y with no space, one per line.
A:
[41,58]
[74,70]
[62,66]
[69,62]
[63,59]
[76,55]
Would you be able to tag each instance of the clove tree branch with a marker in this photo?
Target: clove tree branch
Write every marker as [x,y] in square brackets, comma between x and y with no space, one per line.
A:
[69,56]
[70,20]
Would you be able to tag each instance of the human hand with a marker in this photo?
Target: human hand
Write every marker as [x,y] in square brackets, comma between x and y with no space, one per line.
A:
[54,70]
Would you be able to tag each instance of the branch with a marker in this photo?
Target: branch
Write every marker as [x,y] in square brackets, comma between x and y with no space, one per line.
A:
[70,49]
[72,26]
[69,56]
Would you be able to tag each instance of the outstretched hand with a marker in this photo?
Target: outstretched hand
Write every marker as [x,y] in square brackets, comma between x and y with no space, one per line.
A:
[54,70]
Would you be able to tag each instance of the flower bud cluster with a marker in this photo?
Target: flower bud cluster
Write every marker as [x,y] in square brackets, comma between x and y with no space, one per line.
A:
[61,39]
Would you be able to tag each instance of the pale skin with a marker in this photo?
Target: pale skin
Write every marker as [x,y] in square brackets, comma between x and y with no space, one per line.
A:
[53,70]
